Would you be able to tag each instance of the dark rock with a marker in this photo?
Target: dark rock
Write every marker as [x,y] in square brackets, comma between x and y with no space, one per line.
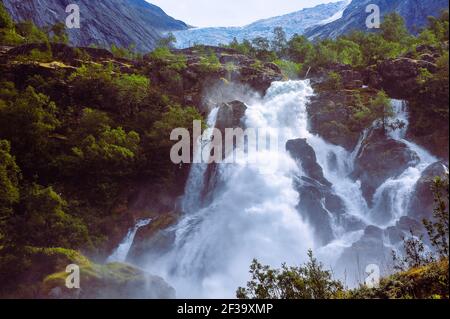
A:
[317,203]
[373,233]
[304,154]
[422,200]
[111,281]
[155,238]
[230,115]
[329,114]
[310,206]
[399,76]
[366,251]
[381,158]
[351,79]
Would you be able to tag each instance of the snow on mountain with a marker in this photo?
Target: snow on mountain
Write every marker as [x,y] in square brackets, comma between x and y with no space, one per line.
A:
[296,22]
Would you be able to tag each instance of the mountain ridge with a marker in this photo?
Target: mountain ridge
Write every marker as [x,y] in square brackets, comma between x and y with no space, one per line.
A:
[295,22]
[414,12]
[103,22]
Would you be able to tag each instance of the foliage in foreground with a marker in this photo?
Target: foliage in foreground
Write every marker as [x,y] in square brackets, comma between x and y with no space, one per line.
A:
[421,274]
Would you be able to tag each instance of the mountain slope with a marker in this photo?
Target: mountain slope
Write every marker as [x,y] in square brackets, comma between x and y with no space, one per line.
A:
[415,13]
[103,22]
[296,22]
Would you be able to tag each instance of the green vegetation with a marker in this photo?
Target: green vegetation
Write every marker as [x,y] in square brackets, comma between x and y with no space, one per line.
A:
[74,141]
[421,274]
[309,281]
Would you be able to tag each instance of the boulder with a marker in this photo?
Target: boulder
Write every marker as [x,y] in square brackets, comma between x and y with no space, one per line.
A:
[403,229]
[422,200]
[230,115]
[368,250]
[304,154]
[111,281]
[317,201]
[380,158]
[399,76]
[329,112]
[154,238]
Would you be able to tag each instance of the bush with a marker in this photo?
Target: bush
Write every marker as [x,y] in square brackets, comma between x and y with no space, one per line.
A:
[209,63]
[290,69]
[310,281]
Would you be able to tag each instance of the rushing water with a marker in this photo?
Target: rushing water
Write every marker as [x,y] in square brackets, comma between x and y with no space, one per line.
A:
[392,198]
[121,252]
[255,215]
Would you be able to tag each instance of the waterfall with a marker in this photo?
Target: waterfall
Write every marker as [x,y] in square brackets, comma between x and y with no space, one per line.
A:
[393,196]
[196,182]
[255,212]
[121,252]
[254,216]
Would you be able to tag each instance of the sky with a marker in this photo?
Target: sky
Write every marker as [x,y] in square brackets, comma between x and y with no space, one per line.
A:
[214,13]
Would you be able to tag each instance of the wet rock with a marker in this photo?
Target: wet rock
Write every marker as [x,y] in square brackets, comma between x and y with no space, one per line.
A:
[230,115]
[317,202]
[154,238]
[304,154]
[403,229]
[366,251]
[381,158]
[422,200]
[111,281]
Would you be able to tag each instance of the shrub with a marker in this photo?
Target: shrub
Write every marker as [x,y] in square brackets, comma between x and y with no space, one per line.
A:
[310,281]
[290,69]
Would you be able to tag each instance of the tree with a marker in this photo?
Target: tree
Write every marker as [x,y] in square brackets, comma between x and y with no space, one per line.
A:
[41,221]
[132,90]
[9,184]
[31,33]
[112,153]
[167,41]
[382,108]
[393,28]
[300,49]
[27,122]
[279,41]
[58,33]
[437,228]
[6,21]
[309,281]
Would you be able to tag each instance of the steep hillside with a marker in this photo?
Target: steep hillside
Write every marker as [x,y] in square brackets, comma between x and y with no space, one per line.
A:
[415,13]
[103,22]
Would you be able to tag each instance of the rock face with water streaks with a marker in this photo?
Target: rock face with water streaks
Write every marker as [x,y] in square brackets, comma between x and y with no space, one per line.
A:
[380,158]
[422,203]
[354,17]
[103,22]
[317,201]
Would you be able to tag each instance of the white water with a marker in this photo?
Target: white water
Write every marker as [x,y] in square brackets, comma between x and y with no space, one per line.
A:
[196,182]
[392,198]
[120,254]
[255,215]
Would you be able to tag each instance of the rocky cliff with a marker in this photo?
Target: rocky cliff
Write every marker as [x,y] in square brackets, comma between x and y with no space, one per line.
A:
[415,13]
[103,22]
